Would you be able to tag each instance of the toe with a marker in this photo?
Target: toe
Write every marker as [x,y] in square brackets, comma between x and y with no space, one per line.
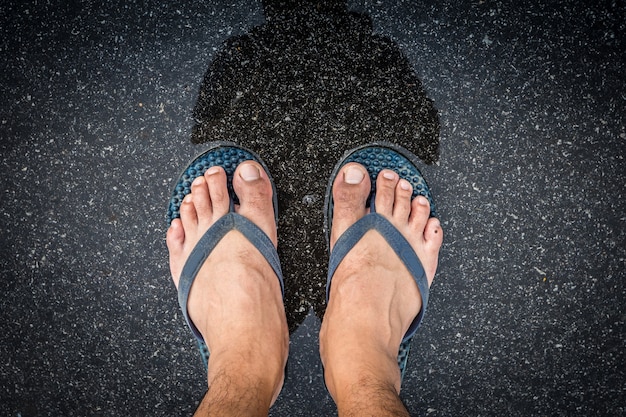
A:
[433,234]
[188,214]
[420,211]
[350,191]
[433,238]
[175,240]
[385,192]
[175,236]
[427,235]
[254,189]
[218,191]
[201,200]
[402,201]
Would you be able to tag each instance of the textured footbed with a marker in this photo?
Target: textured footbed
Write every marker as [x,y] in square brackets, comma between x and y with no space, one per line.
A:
[225,154]
[375,157]
[387,156]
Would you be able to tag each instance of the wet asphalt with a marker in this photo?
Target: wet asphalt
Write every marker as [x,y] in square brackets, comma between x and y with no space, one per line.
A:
[516,110]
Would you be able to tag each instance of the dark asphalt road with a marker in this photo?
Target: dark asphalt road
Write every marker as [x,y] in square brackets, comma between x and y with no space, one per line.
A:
[517,110]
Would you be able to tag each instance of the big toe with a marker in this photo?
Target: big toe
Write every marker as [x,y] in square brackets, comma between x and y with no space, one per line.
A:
[350,190]
[254,189]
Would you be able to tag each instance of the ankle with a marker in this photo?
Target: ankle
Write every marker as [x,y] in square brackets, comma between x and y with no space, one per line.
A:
[366,393]
[247,371]
[355,362]
[235,393]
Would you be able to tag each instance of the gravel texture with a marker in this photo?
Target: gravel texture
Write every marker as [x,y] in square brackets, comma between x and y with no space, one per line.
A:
[516,108]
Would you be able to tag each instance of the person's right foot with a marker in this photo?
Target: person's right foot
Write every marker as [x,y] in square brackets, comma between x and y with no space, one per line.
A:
[235,300]
[373,298]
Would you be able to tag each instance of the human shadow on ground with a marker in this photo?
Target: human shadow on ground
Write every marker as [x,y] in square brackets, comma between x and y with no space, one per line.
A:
[310,83]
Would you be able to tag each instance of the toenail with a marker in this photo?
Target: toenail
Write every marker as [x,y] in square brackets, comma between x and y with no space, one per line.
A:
[353,175]
[187,198]
[422,201]
[404,184]
[389,175]
[197,181]
[249,172]
[213,170]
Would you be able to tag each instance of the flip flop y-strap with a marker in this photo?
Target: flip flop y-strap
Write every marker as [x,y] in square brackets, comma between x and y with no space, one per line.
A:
[400,246]
[403,249]
[208,242]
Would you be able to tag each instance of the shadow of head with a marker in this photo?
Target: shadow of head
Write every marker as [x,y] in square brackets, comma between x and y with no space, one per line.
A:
[320,67]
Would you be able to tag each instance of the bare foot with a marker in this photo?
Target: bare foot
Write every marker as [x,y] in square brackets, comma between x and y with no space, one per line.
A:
[373,297]
[235,300]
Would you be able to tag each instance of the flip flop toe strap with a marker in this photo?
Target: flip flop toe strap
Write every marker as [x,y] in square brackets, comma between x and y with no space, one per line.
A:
[398,243]
[208,242]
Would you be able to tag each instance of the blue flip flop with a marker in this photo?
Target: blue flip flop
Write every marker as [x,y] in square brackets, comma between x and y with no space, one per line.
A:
[228,155]
[376,157]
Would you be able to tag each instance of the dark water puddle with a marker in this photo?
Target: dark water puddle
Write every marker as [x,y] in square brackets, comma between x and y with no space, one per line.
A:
[310,83]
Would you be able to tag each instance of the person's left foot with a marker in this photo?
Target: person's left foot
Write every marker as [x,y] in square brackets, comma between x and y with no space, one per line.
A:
[373,297]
